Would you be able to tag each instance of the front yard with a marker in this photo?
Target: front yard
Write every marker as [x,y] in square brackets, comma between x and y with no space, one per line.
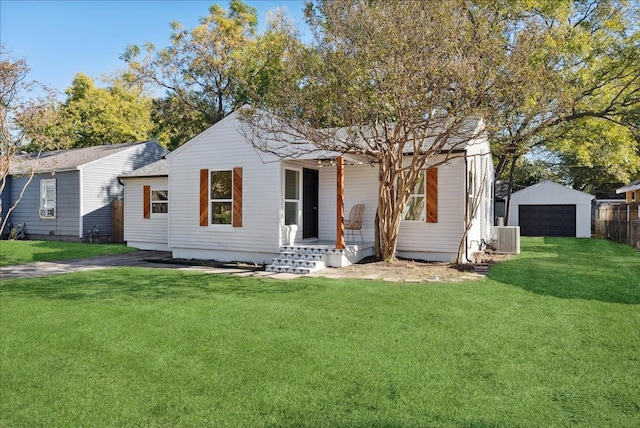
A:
[551,338]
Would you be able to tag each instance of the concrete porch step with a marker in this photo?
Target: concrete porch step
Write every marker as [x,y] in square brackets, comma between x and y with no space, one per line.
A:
[299,260]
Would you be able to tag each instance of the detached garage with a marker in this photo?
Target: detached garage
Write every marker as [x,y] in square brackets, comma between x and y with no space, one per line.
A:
[550,209]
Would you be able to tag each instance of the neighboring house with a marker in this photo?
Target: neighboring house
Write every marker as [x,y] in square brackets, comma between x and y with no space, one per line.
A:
[631,192]
[551,209]
[230,202]
[70,195]
[146,207]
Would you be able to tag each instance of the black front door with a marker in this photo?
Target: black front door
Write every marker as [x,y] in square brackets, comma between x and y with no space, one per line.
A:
[309,203]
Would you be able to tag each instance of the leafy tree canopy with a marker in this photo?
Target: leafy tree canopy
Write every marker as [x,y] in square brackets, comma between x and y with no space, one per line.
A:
[92,115]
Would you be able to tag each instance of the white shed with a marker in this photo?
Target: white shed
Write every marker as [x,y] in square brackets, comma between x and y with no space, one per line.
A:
[551,209]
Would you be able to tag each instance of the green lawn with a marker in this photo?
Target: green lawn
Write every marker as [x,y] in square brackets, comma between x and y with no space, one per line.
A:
[552,338]
[20,252]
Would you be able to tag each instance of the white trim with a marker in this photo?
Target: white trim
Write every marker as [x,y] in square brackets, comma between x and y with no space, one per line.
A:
[284,195]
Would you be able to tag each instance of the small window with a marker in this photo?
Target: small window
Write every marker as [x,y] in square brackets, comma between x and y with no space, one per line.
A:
[415,208]
[48,198]
[159,201]
[221,186]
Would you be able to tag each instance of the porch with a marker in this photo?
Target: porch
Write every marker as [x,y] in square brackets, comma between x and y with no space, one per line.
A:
[307,257]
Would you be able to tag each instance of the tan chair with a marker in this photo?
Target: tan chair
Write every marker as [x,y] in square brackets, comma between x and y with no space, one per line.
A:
[354,222]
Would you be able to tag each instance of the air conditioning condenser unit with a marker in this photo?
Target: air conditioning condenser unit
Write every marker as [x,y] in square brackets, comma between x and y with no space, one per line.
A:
[507,239]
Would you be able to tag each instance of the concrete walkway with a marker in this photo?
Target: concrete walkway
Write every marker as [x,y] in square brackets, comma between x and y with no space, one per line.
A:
[149,259]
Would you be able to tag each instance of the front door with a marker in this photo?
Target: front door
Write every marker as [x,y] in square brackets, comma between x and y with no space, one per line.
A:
[309,203]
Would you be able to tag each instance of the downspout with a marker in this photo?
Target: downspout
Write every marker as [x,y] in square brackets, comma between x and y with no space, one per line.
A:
[466,208]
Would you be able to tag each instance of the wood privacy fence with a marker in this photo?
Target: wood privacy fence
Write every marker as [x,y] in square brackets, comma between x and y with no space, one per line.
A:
[117,220]
[619,222]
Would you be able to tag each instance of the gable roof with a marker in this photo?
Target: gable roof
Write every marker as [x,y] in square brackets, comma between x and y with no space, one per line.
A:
[470,135]
[549,189]
[66,160]
[157,169]
[629,187]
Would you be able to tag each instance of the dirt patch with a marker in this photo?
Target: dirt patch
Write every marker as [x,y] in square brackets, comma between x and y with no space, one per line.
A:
[416,270]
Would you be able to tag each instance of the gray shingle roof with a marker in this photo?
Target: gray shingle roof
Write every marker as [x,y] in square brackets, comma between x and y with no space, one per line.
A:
[65,160]
[157,169]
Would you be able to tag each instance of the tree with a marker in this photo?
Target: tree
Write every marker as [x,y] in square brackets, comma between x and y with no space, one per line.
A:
[200,68]
[578,63]
[397,82]
[91,115]
[596,152]
[212,69]
[27,114]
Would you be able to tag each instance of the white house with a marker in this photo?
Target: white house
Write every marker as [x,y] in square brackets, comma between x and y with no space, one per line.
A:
[551,209]
[230,202]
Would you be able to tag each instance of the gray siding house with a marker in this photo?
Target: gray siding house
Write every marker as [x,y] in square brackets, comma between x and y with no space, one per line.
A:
[71,191]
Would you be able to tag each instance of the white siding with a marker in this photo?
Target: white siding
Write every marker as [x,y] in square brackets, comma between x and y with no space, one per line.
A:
[481,166]
[139,232]
[223,147]
[100,184]
[360,187]
[438,241]
[428,241]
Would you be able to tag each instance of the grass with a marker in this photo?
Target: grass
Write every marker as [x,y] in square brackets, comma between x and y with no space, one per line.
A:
[21,252]
[530,346]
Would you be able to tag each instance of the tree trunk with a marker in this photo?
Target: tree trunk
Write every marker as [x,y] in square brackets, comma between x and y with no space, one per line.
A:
[393,193]
[512,170]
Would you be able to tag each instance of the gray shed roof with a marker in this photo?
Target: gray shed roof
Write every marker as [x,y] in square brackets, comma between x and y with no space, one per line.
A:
[66,160]
[157,169]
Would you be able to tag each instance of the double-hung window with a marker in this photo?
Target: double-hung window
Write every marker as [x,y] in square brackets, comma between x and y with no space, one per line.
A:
[423,200]
[159,201]
[221,197]
[48,198]
[415,208]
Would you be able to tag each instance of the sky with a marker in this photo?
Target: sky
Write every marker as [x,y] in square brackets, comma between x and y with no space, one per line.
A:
[61,38]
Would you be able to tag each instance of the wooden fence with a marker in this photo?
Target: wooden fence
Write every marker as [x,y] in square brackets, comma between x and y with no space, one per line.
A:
[619,222]
[117,220]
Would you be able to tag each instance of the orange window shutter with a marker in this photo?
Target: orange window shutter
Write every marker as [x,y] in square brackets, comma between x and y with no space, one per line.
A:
[146,201]
[204,197]
[432,195]
[237,197]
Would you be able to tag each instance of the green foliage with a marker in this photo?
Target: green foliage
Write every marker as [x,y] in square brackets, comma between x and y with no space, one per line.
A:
[595,152]
[91,115]
[175,124]
[580,80]
[21,252]
[539,343]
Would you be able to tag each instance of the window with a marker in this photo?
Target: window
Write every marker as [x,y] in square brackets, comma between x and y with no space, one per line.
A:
[415,209]
[48,198]
[221,197]
[159,201]
[291,196]
[423,201]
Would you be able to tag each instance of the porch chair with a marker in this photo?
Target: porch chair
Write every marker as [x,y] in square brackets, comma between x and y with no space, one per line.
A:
[354,222]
